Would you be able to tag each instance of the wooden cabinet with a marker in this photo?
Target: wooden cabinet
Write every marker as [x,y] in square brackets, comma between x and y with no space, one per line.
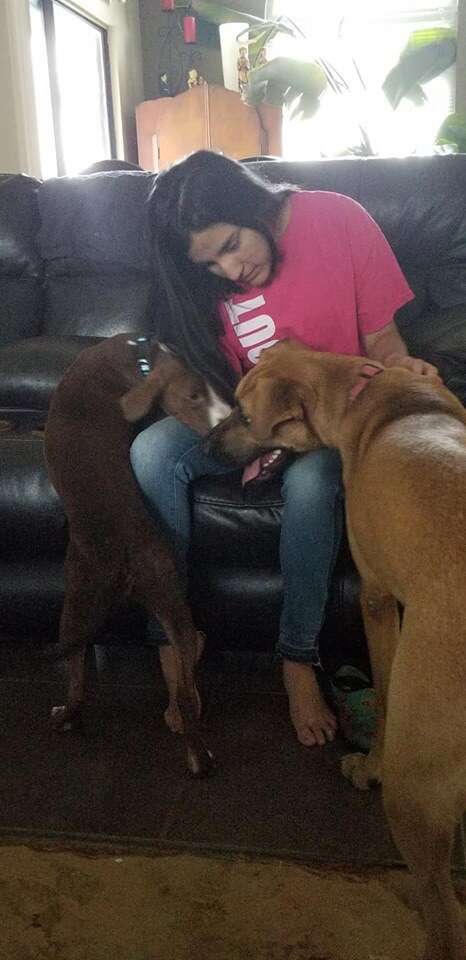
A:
[208,117]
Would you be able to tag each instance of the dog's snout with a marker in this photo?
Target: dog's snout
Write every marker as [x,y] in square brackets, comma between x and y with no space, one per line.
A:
[209,442]
[206,446]
[214,443]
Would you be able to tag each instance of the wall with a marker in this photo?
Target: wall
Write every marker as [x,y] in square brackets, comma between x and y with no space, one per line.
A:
[152,22]
[9,146]
[19,152]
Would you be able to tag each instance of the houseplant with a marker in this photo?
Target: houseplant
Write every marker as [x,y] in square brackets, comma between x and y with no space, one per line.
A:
[283,79]
[426,55]
[298,84]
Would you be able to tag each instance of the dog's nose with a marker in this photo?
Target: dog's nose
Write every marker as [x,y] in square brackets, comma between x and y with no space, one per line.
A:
[208,445]
[211,444]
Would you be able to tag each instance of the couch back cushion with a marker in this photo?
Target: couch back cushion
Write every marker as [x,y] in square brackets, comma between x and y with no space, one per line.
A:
[94,241]
[20,263]
[420,204]
[95,245]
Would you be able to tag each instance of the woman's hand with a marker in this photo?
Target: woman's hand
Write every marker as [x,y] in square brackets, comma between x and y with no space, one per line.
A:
[415,364]
[389,348]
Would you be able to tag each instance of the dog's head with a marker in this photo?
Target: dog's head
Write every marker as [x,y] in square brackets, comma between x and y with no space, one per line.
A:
[175,388]
[273,411]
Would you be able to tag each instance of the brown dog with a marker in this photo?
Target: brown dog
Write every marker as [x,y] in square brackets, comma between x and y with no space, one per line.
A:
[115,548]
[402,438]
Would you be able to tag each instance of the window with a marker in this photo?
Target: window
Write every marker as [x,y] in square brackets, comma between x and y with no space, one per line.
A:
[72,88]
[363,41]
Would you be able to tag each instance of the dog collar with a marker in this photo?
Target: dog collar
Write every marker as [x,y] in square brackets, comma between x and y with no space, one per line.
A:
[141,344]
[366,373]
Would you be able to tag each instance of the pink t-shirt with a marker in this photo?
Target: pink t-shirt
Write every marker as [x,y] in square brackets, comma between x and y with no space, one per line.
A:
[338,279]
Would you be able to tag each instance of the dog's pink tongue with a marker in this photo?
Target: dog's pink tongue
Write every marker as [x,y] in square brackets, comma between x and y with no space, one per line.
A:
[263,467]
[252,471]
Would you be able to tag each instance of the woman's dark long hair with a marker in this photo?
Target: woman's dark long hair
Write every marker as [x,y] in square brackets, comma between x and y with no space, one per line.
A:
[204,189]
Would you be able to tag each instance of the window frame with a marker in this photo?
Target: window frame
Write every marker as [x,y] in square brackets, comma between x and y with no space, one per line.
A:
[47,7]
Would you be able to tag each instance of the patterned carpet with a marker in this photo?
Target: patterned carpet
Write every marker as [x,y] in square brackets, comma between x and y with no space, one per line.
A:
[66,906]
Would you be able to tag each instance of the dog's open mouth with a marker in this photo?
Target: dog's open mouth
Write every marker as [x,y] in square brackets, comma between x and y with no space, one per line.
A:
[262,468]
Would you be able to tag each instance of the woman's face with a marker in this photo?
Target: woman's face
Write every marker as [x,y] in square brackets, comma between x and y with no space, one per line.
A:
[236,253]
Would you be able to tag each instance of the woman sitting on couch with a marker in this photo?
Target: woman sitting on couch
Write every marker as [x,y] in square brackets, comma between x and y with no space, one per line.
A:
[242,263]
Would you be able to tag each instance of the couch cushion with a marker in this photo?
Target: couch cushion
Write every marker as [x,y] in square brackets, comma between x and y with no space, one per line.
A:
[419,202]
[32,518]
[31,598]
[439,335]
[20,263]
[236,526]
[99,218]
[94,239]
[89,305]
[31,369]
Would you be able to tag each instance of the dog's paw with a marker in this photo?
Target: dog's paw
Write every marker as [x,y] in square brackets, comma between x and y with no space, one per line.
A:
[361,770]
[67,717]
[200,762]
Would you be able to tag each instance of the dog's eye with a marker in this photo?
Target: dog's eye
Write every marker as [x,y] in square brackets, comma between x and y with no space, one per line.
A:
[243,418]
[290,420]
[285,423]
[194,396]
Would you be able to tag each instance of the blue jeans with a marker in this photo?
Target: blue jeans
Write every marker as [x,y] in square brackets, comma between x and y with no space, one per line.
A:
[167,456]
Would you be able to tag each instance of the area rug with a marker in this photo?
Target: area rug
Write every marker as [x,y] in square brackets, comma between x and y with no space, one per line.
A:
[123,778]
[121,785]
[65,905]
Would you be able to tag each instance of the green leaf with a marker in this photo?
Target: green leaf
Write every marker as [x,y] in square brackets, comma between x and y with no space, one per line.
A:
[422,38]
[282,80]
[453,132]
[426,55]
[306,106]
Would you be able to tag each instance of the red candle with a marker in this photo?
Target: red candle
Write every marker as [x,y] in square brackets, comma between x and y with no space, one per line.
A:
[167,4]
[189,29]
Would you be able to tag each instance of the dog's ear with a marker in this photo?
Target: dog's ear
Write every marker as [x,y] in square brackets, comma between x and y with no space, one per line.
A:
[274,402]
[137,401]
[308,399]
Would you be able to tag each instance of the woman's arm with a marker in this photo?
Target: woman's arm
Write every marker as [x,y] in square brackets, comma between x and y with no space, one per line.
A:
[389,348]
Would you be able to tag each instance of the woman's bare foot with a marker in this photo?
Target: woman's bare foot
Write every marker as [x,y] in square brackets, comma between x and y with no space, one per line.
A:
[172,714]
[312,719]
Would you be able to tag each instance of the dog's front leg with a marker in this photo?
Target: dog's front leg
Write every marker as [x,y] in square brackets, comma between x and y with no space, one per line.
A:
[382,626]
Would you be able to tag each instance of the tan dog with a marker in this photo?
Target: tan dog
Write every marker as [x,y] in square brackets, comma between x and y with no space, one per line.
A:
[402,438]
[116,550]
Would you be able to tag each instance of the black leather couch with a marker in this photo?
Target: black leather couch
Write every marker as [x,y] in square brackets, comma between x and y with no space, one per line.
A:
[75,265]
